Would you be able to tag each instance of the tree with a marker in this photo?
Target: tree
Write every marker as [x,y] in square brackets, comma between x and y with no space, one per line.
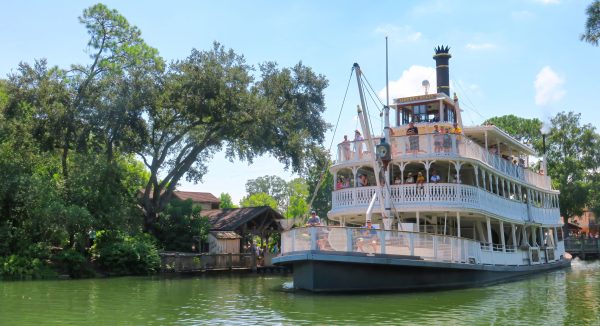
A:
[573,153]
[272,185]
[592,24]
[210,102]
[259,199]
[115,46]
[524,130]
[225,201]
[297,199]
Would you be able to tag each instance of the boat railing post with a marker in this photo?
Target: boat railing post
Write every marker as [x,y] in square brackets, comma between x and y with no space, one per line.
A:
[349,240]
[452,240]
[411,243]
[313,238]
[293,238]
[382,235]
[435,247]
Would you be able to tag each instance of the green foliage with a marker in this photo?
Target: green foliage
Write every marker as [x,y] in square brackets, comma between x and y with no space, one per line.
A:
[69,140]
[524,130]
[74,263]
[126,255]
[225,201]
[592,24]
[573,152]
[259,199]
[296,204]
[178,225]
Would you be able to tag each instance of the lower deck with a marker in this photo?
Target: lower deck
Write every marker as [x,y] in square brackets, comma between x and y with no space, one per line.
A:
[424,246]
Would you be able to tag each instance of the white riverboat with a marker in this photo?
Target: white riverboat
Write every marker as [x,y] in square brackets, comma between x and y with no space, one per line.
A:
[489,217]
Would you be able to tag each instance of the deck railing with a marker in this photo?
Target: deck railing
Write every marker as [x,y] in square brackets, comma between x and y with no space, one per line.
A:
[442,145]
[444,195]
[420,246]
[189,262]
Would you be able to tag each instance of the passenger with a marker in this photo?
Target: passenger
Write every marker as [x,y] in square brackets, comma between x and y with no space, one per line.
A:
[447,144]
[413,138]
[362,180]
[456,129]
[420,179]
[435,178]
[410,179]
[397,180]
[346,148]
[314,219]
[368,237]
[358,143]
[438,138]
[339,184]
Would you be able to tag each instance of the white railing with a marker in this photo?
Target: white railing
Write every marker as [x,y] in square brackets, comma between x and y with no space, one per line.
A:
[442,145]
[423,246]
[544,215]
[441,194]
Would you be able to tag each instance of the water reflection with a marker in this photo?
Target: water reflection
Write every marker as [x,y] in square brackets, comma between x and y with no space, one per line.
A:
[569,296]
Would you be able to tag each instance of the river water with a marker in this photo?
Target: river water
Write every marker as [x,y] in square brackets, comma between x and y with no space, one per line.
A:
[565,297]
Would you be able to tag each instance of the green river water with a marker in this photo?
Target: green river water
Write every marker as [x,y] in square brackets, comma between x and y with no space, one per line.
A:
[565,297]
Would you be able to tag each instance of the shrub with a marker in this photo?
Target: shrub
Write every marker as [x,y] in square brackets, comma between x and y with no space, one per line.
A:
[125,255]
[16,267]
[74,263]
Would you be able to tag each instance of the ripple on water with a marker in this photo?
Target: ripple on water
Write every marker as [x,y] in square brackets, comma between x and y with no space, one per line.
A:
[570,296]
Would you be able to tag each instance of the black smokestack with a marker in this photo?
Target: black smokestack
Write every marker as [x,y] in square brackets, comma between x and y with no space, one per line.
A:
[441,57]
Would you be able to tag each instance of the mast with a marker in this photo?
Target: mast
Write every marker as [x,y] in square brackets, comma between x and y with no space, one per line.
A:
[364,123]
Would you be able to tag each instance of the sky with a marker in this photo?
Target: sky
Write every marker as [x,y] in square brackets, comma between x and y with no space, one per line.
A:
[508,57]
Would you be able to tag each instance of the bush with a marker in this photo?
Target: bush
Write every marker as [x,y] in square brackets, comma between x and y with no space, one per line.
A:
[74,263]
[15,267]
[126,255]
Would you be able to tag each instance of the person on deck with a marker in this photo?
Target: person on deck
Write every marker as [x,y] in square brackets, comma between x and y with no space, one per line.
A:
[368,237]
[413,138]
[314,219]
[358,143]
[435,178]
[362,180]
[346,148]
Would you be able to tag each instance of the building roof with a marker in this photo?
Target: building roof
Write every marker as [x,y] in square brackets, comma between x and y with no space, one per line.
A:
[229,219]
[197,197]
[226,235]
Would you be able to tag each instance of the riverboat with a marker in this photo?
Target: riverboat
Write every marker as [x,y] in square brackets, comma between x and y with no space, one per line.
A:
[449,209]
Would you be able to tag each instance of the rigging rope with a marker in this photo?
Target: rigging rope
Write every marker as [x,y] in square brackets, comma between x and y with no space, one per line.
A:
[323,173]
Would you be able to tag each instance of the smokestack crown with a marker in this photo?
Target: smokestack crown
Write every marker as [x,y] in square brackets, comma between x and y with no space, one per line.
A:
[442,57]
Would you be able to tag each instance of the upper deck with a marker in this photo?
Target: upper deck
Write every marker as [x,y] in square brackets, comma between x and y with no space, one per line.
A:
[507,157]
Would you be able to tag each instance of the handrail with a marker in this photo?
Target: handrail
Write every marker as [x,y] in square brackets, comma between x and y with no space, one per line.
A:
[421,246]
[448,195]
[443,145]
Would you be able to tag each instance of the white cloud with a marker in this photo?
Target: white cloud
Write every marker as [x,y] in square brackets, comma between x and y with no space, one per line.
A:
[548,87]
[398,33]
[548,2]
[409,84]
[481,46]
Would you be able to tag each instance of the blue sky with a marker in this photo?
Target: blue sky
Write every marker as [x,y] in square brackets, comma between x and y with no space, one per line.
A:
[508,57]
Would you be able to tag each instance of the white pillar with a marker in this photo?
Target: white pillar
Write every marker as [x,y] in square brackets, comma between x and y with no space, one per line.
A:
[514,235]
[502,236]
[418,223]
[489,232]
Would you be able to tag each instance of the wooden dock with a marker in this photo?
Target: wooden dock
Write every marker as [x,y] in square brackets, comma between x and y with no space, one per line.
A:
[584,248]
[182,262]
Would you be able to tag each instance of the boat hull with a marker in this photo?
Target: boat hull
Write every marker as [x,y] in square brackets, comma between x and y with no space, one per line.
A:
[318,271]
